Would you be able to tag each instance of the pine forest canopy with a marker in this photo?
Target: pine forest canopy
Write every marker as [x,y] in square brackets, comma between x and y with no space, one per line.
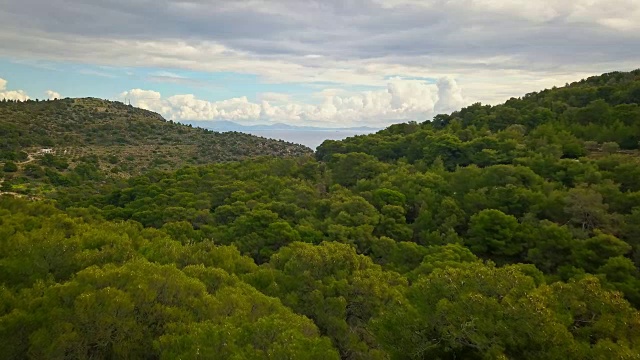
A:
[494,232]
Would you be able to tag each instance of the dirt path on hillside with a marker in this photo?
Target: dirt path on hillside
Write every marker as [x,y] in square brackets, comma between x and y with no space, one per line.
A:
[30,197]
[30,158]
[8,192]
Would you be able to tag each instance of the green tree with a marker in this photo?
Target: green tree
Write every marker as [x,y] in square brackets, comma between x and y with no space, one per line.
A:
[10,167]
[479,311]
[610,147]
[337,288]
[495,234]
[586,209]
[393,224]
[549,245]
[347,169]
[446,146]
[594,252]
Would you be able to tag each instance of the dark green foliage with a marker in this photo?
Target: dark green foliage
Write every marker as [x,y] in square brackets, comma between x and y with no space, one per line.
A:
[89,290]
[479,312]
[496,232]
[10,167]
[556,121]
[493,233]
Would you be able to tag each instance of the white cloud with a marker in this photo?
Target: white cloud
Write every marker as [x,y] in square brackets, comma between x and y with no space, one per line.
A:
[11,94]
[19,95]
[51,95]
[167,74]
[92,72]
[401,100]
[274,97]
[449,95]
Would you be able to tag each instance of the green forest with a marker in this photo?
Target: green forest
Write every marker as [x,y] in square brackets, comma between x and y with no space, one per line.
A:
[494,232]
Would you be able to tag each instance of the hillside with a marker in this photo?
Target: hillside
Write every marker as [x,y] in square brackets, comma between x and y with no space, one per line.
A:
[90,122]
[115,139]
[573,120]
[494,232]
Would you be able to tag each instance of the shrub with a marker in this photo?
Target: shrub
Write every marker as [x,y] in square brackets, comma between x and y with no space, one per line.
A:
[10,167]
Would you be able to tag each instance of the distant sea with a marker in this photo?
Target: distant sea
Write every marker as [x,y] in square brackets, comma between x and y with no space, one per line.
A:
[310,138]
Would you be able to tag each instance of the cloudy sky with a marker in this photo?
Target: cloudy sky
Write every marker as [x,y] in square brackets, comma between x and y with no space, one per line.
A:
[328,62]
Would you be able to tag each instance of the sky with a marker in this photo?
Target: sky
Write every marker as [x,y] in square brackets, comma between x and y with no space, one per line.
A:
[327,63]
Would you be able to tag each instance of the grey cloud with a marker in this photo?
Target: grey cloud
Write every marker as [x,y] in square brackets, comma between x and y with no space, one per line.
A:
[142,19]
[354,41]
[357,29]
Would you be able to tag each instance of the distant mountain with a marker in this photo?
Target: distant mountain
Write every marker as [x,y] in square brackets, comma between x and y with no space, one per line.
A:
[224,125]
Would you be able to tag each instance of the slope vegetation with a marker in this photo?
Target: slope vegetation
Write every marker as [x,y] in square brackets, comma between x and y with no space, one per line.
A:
[571,121]
[114,139]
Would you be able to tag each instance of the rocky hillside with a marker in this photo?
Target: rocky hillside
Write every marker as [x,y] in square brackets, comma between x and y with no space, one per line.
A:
[44,144]
[134,138]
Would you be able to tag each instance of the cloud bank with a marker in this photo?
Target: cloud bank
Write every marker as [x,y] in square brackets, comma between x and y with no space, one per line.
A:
[21,95]
[357,41]
[11,94]
[495,49]
[52,95]
[401,100]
